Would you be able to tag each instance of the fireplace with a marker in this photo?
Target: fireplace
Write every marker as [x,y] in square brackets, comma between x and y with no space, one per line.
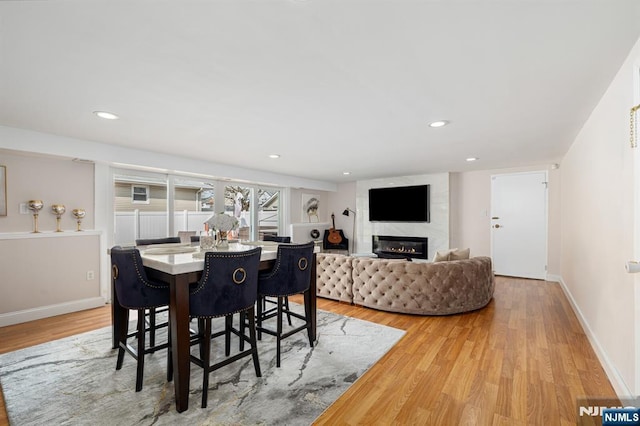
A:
[413,247]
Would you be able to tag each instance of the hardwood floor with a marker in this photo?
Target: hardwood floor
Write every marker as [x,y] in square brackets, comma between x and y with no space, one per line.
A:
[522,360]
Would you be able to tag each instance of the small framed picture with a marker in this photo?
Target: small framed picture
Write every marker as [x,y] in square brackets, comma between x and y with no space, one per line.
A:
[310,206]
[3,191]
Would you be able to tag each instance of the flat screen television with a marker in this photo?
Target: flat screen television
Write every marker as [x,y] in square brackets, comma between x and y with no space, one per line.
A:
[399,204]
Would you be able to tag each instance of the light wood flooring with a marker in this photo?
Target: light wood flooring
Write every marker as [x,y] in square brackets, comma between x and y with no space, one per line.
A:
[522,360]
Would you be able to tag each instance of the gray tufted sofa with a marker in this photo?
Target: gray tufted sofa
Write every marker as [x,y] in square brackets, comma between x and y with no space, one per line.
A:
[441,288]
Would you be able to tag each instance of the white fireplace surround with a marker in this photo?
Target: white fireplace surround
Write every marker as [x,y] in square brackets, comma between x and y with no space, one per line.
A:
[437,231]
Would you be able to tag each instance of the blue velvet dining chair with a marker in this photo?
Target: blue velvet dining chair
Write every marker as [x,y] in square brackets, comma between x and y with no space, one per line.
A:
[229,285]
[134,291]
[290,275]
[277,239]
[150,314]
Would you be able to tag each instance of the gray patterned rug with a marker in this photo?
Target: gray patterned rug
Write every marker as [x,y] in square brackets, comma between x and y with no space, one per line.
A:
[73,381]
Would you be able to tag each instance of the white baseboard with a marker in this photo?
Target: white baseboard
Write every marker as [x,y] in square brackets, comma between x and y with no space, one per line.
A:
[554,278]
[618,383]
[50,311]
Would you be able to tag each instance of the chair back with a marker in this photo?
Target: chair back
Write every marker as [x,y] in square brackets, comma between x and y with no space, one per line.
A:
[133,289]
[229,283]
[276,238]
[149,241]
[292,272]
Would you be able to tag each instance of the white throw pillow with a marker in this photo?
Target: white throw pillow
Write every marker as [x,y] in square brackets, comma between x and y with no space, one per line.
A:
[442,256]
[459,254]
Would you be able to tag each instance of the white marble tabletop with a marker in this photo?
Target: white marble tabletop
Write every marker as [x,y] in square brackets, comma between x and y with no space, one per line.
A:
[180,263]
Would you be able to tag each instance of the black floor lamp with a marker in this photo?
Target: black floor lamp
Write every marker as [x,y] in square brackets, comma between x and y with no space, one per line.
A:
[353,237]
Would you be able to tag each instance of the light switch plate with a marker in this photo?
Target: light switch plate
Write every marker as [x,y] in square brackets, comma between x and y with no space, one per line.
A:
[23,208]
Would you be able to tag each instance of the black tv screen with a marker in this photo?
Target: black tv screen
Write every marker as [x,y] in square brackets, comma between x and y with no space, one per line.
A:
[399,204]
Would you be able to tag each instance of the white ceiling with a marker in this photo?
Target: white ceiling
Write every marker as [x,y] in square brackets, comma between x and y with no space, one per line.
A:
[330,85]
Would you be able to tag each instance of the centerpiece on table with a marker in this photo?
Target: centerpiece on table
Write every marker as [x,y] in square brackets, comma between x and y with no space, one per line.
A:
[222,224]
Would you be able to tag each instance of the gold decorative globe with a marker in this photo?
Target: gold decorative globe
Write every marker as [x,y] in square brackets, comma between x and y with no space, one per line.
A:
[58,210]
[79,214]
[35,206]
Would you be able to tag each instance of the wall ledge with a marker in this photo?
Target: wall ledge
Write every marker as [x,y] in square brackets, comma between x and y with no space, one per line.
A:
[26,315]
[46,234]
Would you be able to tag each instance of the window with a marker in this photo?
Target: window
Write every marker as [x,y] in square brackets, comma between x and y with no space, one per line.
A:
[155,205]
[193,203]
[139,194]
[139,206]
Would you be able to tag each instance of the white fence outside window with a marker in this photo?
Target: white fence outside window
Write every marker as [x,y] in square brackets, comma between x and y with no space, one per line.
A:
[133,225]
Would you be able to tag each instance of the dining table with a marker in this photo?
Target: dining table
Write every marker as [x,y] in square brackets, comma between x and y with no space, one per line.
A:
[179,268]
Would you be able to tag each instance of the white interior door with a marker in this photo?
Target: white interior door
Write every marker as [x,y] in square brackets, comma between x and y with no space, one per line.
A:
[519,224]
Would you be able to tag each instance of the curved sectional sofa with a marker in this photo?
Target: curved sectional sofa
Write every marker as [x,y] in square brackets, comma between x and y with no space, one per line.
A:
[393,285]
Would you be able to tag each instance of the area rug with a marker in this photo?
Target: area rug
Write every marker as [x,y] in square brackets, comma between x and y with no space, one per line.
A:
[73,381]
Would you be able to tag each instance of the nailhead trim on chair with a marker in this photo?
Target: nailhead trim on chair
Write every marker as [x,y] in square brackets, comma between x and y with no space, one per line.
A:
[205,276]
[207,271]
[140,276]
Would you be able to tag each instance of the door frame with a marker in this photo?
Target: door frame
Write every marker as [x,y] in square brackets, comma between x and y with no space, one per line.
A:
[546,213]
[636,242]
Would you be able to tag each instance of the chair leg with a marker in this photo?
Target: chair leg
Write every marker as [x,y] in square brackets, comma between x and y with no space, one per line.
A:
[278,330]
[260,305]
[140,354]
[286,305]
[123,331]
[254,343]
[228,322]
[201,327]
[169,355]
[152,327]
[307,315]
[242,327]
[205,345]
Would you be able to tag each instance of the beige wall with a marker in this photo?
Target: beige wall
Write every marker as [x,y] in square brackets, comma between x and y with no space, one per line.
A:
[44,270]
[52,180]
[470,195]
[46,274]
[598,227]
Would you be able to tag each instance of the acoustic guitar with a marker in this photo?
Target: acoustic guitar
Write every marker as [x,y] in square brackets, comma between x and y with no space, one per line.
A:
[334,236]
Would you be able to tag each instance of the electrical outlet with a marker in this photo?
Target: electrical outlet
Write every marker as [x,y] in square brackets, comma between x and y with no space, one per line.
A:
[23,208]
[90,275]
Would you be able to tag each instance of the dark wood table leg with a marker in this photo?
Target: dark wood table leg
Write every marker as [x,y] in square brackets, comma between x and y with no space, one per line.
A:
[179,318]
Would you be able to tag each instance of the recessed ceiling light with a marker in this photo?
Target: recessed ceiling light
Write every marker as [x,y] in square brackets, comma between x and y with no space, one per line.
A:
[439,123]
[346,173]
[106,115]
[470,159]
[274,155]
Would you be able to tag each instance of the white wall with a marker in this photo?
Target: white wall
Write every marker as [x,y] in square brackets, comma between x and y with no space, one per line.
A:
[43,143]
[437,230]
[597,217]
[344,197]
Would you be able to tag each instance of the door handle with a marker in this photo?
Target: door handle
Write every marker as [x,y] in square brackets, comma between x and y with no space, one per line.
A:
[495,217]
